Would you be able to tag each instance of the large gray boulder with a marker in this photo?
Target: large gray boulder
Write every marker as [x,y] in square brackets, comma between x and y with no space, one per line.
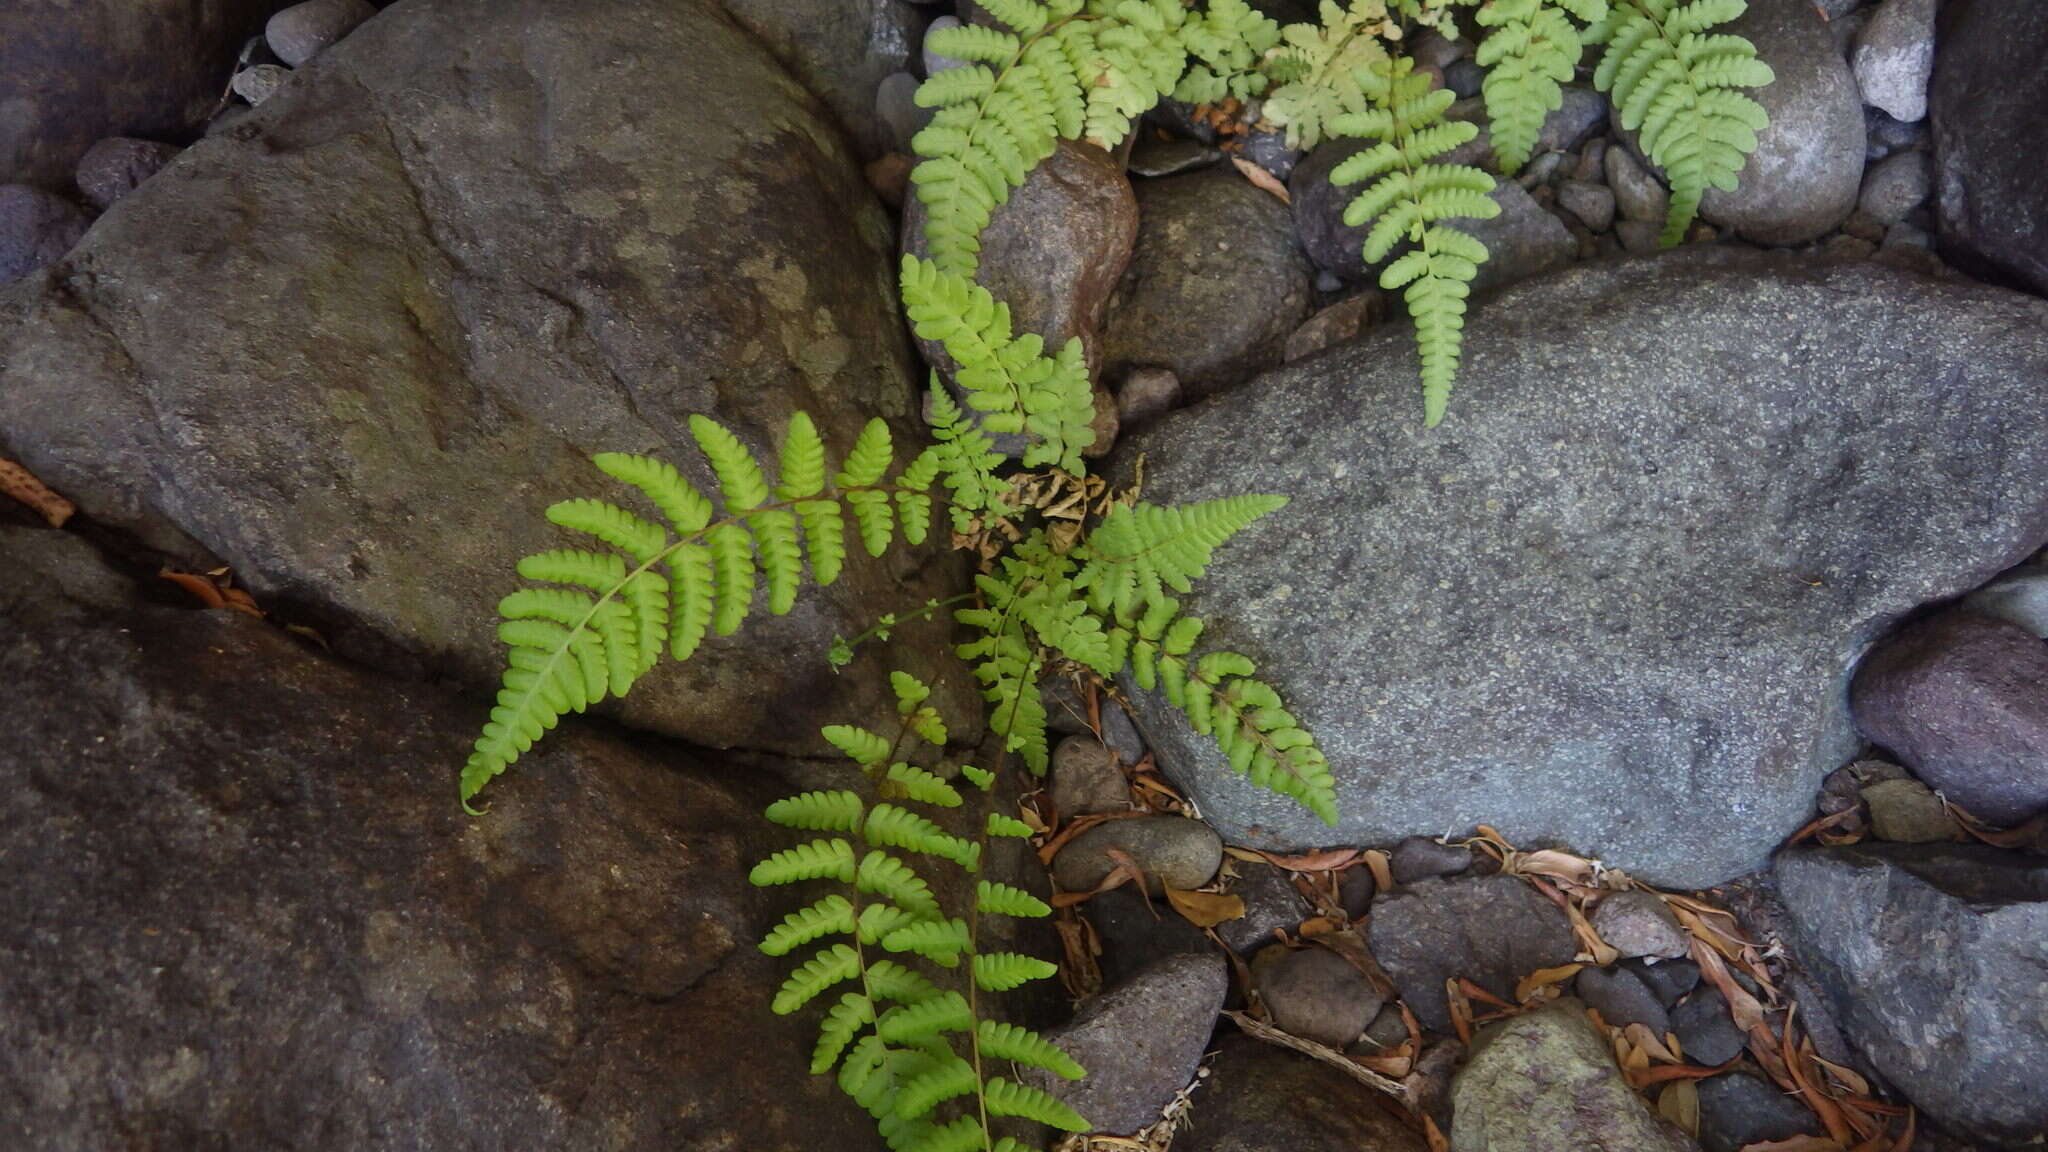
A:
[1265,1099]
[73,72]
[1936,959]
[1613,601]
[244,909]
[1988,101]
[354,346]
[842,51]
[1545,1081]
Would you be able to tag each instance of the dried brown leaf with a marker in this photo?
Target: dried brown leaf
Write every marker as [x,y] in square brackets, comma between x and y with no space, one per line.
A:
[1310,1048]
[20,484]
[1680,1104]
[1262,179]
[1205,909]
[1543,978]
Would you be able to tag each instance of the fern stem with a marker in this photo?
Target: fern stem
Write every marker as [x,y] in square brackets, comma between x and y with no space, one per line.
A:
[889,620]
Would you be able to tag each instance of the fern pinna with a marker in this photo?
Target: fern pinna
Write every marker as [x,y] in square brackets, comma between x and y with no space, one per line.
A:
[599,620]
[915,1055]
[1531,49]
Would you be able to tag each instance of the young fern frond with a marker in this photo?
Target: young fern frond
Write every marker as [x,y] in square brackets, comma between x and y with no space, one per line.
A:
[1313,69]
[1405,199]
[899,1062]
[1531,51]
[602,619]
[1227,41]
[1140,550]
[1680,88]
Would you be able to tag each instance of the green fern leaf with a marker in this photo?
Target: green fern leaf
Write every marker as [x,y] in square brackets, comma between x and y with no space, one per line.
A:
[1001,825]
[952,1077]
[1002,971]
[686,508]
[878,920]
[1006,1099]
[947,1012]
[612,524]
[939,941]
[858,744]
[831,914]
[835,811]
[821,971]
[845,1018]
[992,899]
[802,472]
[888,980]
[740,483]
[886,876]
[732,575]
[1140,550]
[782,561]
[813,861]
[1023,1046]
[598,571]
[893,827]
[1531,52]
[979,777]
[923,787]
[695,596]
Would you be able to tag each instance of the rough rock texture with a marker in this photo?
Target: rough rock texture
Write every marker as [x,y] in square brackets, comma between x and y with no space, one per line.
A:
[1783,459]
[1962,700]
[1988,101]
[1135,932]
[36,228]
[355,346]
[1215,286]
[1639,923]
[1315,994]
[2020,597]
[1545,1081]
[1140,1041]
[1270,904]
[306,29]
[1738,1110]
[1802,180]
[1053,251]
[1934,956]
[1173,850]
[841,51]
[116,166]
[259,919]
[76,71]
[1260,1098]
[1894,56]
[1492,930]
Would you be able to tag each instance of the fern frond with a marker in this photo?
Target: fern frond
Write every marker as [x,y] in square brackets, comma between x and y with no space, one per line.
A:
[1405,203]
[835,811]
[848,1016]
[888,980]
[813,861]
[821,971]
[830,915]
[878,920]
[1680,88]
[1023,1046]
[1001,825]
[939,941]
[923,787]
[858,744]
[1006,1099]
[892,827]
[952,1077]
[1002,971]
[1140,550]
[686,508]
[947,1012]
[1314,70]
[886,876]
[1530,53]
[993,899]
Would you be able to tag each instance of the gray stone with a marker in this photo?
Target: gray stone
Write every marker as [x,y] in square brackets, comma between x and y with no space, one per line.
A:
[1054,250]
[1522,242]
[1886,135]
[1841,247]
[1933,955]
[1421,858]
[1640,237]
[1896,185]
[1803,177]
[1154,156]
[1269,151]
[1592,203]
[1894,56]
[1492,930]
[1465,77]
[115,166]
[896,106]
[933,62]
[1173,850]
[444,327]
[1315,994]
[36,229]
[304,30]
[2020,598]
[1146,395]
[1904,235]
[1639,923]
[1337,323]
[1988,101]
[1356,890]
[298,939]
[1388,1029]
[1540,170]
[1271,904]
[74,72]
[1261,1098]
[1962,700]
[841,51]
[1085,779]
[1140,1041]
[1214,287]
[1592,162]
[260,82]
[1908,812]
[1669,979]
[1545,1081]
[1706,1029]
[1621,998]
[1680,720]
[1638,194]
[1738,1110]
[1118,732]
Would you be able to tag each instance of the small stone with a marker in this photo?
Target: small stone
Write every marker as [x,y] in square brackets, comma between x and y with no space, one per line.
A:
[1908,812]
[1263,1098]
[1738,1110]
[1328,282]
[1639,237]
[889,175]
[260,83]
[1140,1041]
[1592,203]
[1840,247]
[1959,699]
[1592,165]
[1269,150]
[1085,780]
[1438,51]
[1464,77]
[1886,135]
[933,62]
[1174,850]
[1154,156]
[36,228]
[1105,425]
[1894,57]
[1671,980]
[1545,1081]
[1895,186]
[1120,734]
[117,165]
[2019,598]
[1315,994]
[1388,1028]
[1637,194]
[1863,226]
[1621,998]
[1639,923]
[1421,858]
[1147,394]
[1540,170]
[1706,1029]
[896,107]
[303,31]
[1270,904]
[1337,323]
[1492,931]
[1904,235]
[1355,891]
